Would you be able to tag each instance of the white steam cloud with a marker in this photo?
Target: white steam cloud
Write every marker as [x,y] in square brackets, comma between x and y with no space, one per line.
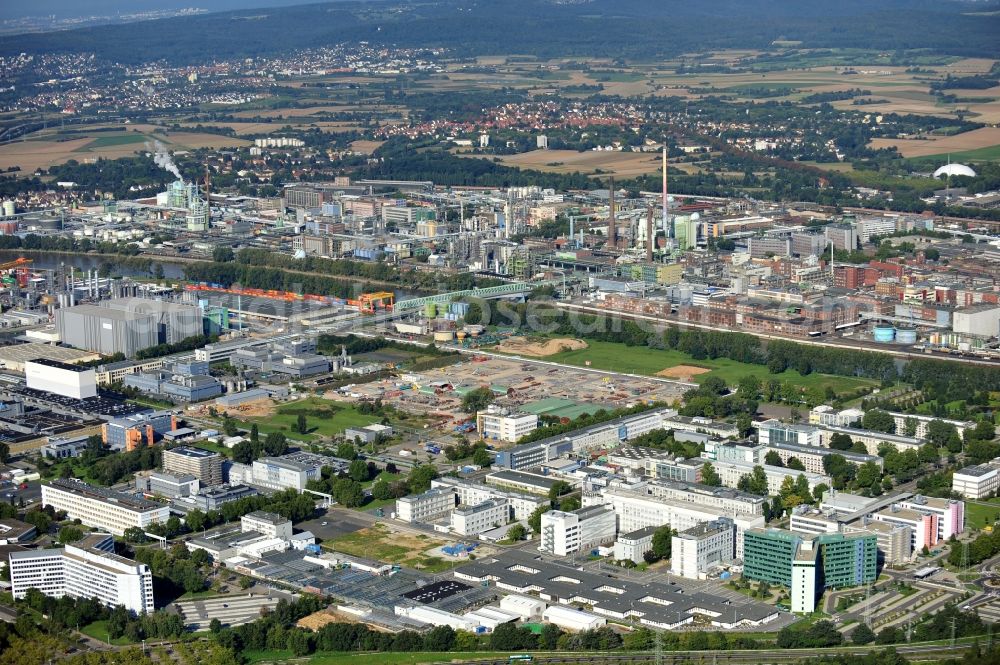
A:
[162,158]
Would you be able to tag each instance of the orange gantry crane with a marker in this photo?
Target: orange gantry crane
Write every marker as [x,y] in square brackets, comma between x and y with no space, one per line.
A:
[20,268]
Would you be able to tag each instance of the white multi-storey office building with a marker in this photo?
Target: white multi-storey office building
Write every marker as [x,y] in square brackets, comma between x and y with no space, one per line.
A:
[84,570]
[565,533]
[101,508]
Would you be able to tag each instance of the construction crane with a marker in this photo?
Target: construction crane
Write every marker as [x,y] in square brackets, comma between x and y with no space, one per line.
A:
[20,269]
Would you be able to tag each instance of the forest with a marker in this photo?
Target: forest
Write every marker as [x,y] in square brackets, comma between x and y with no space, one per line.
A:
[642,29]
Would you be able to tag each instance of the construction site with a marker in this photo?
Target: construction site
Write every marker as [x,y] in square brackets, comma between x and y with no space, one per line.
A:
[527,385]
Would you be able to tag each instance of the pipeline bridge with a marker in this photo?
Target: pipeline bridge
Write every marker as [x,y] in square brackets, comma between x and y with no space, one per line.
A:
[513,288]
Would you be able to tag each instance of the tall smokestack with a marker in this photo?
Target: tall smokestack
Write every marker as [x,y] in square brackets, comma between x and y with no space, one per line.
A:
[612,231]
[666,215]
[649,235]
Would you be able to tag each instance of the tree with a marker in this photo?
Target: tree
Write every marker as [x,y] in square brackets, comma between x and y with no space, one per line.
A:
[70,534]
[254,433]
[4,453]
[517,532]
[358,470]
[744,423]
[909,429]
[796,464]
[229,426]
[222,254]
[819,491]
[569,504]
[440,638]
[709,476]
[135,534]
[275,444]
[301,425]
[348,493]
[559,488]
[381,490]
[879,421]
[549,637]
[749,387]
[941,433]
[772,458]
[482,458]
[863,635]
[215,626]
[346,450]
[535,519]
[841,441]
[420,478]
[477,400]
[662,540]
[868,475]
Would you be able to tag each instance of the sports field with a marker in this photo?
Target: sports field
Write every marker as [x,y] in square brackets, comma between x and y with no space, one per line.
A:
[646,361]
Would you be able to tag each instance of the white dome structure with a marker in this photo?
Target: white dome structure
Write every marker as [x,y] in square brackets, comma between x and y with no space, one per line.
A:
[954,170]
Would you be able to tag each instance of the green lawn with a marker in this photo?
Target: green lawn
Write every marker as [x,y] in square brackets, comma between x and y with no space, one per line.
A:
[99,631]
[324,418]
[214,447]
[643,360]
[390,658]
[981,514]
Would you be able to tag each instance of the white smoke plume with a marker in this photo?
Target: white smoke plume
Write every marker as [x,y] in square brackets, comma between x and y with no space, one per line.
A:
[162,158]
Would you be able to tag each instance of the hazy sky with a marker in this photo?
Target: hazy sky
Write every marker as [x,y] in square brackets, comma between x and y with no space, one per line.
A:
[76,8]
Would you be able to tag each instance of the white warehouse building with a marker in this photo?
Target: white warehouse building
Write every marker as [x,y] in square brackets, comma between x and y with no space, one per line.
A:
[60,378]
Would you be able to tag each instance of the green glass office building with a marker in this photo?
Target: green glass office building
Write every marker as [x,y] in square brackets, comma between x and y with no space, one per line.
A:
[844,560]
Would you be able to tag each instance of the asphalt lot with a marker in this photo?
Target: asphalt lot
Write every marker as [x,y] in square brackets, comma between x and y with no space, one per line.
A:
[339,522]
[231,610]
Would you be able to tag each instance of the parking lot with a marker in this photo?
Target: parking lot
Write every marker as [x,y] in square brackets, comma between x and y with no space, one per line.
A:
[232,610]
[334,523]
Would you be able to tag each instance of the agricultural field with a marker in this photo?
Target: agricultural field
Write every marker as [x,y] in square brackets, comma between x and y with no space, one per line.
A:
[623,164]
[54,146]
[646,361]
[324,419]
[984,142]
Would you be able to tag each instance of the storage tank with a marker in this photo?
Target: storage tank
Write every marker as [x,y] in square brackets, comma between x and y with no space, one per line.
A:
[443,336]
[906,335]
[431,310]
[9,209]
[475,330]
[461,334]
[8,228]
[884,334]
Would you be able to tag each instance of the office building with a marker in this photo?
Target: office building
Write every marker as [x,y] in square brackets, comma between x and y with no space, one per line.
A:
[500,424]
[633,546]
[976,482]
[807,564]
[731,472]
[636,509]
[473,520]
[171,486]
[565,533]
[950,513]
[697,550]
[102,508]
[277,473]
[267,524]
[211,498]
[368,433]
[606,434]
[205,465]
[13,532]
[775,431]
[60,378]
[471,493]
[433,503]
[137,430]
[84,570]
